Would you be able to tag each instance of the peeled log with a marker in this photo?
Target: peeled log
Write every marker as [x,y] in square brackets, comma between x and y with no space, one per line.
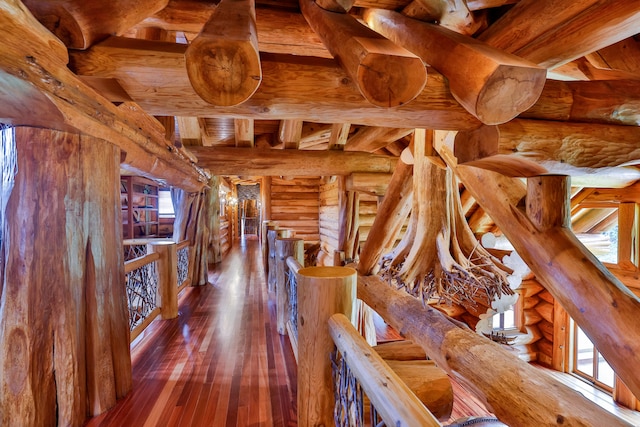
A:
[80,23]
[576,279]
[400,350]
[516,398]
[492,85]
[391,215]
[223,62]
[386,75]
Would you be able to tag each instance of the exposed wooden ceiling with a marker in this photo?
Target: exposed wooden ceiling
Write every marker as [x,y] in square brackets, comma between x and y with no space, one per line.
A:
[307,96]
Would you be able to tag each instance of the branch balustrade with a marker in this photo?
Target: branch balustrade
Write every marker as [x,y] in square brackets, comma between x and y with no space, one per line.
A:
[360,367]
[292,297]
[153,280]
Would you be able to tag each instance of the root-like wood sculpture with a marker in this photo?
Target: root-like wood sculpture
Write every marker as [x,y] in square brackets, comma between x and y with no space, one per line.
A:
[439,256]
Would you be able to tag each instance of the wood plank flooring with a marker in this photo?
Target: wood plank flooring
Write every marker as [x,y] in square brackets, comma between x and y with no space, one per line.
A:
[221,363]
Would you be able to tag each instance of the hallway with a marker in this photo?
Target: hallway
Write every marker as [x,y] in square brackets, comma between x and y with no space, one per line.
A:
[221,363]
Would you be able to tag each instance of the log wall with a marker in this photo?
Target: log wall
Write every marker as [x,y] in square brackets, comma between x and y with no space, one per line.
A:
[295,204]
[329,222]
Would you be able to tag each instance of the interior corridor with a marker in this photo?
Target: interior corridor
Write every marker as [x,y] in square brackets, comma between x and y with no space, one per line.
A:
[221,363]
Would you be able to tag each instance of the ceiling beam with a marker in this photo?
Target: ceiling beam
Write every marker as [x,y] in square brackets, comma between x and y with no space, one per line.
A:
[271,162]
[553,32]
[34,77]
[289,134]
[293,87]
[497,88]
[387,75]
[339,136]
[372,138]
[244,132]
[223,62]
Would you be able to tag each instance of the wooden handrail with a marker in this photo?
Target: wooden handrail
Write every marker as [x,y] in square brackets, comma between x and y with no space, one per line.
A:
[136,263]
[391,397]
[182,244]
[293,264]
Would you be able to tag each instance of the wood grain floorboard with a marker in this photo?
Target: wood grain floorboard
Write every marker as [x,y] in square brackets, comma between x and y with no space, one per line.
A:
[220,363]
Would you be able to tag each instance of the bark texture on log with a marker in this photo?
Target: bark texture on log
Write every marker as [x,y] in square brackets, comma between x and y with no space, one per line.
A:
[64,312]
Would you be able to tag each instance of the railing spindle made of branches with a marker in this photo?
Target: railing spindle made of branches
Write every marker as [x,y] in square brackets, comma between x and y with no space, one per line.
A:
[359,366]
[292,292]
[153,278]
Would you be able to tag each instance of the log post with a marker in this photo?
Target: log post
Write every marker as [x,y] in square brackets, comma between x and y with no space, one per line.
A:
[272,235]
[264,243]
[322,292]
[167,270]
[548,201]
[64,317]
[285,247]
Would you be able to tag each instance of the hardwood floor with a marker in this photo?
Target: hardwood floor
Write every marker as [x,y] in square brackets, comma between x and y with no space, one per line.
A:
[221,363]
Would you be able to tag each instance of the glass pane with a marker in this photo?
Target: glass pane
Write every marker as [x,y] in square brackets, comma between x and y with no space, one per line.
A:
[584,353]
[509,319]
[496,320]
[605,372]
[165,206]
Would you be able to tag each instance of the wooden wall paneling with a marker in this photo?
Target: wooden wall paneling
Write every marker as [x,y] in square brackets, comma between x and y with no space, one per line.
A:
[295,204]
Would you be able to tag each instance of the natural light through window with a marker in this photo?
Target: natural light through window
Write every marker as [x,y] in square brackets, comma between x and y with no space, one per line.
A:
[588,363]
[165,206]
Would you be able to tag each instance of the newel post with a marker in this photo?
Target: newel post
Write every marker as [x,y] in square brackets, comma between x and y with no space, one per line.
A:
[285,247]
[322,292]
[167,270]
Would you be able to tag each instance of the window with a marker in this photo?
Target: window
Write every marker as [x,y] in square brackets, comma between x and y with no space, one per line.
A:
[588,363]
[505,321]
[165,205]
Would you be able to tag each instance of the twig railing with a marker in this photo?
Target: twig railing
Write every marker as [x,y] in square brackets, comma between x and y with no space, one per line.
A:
[392,399]
[153,280]
[183,264]
[292,292]
[142,291]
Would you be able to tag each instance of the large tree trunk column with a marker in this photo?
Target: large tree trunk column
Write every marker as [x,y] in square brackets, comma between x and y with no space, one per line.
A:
[322,292]
[64,317]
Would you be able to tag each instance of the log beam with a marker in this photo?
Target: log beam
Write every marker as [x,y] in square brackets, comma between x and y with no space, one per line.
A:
[580,283]
[551,33]
[516,398]
[293,87]
[373,138]
[256,162]
[80,24]
[497,88]
[223,62]
[613,102]
[583,145]
[385,74]
[34,77]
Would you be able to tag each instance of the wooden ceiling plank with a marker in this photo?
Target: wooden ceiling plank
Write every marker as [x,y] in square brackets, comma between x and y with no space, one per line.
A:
[553,32]
[370,139]
[80,24]
[189,130]
[386,75]
[223,62]
[293,87]
[271,162]
[498,87]
[290,133]
[339,136]
[244,132]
